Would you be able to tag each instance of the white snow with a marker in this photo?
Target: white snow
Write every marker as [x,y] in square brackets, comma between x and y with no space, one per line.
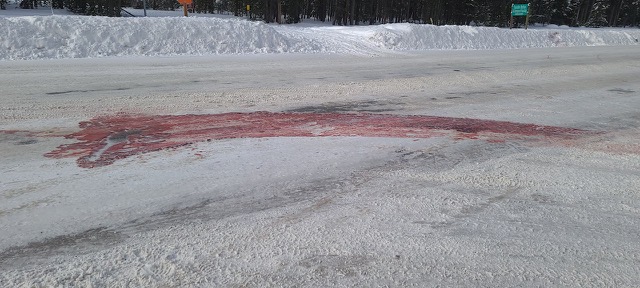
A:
[326,211]
[47,37]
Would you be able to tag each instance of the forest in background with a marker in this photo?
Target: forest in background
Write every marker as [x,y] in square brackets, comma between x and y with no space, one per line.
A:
[589,13]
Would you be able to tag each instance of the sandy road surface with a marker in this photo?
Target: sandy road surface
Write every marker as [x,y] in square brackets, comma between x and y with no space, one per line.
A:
[534,184]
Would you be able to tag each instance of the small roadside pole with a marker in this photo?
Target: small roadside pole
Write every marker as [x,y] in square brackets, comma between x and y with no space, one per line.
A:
[184,6]
[519,10]
[144,7]
[248,12]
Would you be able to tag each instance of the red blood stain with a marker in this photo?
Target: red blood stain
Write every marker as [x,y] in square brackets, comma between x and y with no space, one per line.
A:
[103,140]
[11,132]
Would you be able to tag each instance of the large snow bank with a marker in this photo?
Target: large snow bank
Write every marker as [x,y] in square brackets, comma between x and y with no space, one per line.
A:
[77,37]
[425,37]
[42,37]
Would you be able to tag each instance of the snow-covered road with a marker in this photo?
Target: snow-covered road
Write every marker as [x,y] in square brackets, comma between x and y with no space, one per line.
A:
[474,203]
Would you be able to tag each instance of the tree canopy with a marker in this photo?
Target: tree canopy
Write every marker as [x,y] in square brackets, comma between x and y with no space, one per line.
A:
[591,13]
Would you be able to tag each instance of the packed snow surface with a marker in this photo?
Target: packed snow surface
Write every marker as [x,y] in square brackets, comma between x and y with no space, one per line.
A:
[44,37]
[433,206]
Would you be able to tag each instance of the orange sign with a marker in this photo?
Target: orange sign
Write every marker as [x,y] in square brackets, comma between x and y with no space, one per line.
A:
[185,2]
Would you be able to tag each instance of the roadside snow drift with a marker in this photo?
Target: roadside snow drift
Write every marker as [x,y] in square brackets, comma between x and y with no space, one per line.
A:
[423,37]
[79,37]
[45,37]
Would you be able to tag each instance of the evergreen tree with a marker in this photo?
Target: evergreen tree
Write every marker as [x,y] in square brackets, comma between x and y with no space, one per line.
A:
[94,7]
[293,10]
[593,13]
[614,11]
[559,12]
[203,6]
[319,10]
[598,16]
[629,14]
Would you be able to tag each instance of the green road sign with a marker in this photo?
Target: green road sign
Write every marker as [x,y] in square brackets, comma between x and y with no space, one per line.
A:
[519,9]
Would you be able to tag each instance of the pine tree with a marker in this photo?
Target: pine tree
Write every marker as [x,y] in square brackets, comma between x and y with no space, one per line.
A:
[559,12]
[630,13]
[614,11]
[593,13]
[598,16]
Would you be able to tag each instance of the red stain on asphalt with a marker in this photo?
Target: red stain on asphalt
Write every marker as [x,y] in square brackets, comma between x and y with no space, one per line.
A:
[103,140]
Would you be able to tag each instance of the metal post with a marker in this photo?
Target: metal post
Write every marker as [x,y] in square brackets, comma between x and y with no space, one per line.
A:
[511,19]
[144,6]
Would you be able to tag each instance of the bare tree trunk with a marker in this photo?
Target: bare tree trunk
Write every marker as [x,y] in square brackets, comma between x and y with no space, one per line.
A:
[615,13]
[353,12]
[279,20]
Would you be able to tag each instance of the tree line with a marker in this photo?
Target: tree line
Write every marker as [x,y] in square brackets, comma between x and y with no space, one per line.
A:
[590,13]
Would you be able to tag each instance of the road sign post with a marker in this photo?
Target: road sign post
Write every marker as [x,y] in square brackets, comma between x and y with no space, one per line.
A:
[184,6]
[519,10]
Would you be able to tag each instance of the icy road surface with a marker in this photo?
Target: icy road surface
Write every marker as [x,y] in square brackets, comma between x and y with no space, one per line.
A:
[469,168]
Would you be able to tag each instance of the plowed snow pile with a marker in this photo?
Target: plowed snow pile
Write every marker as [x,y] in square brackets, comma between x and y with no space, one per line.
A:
[422,37]
[45,37]
[79,37]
